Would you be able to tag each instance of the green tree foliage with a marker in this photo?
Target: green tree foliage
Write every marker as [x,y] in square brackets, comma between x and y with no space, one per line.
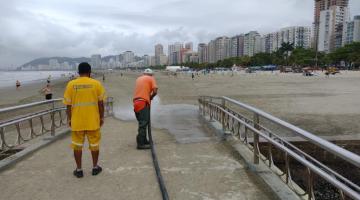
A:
[302,57]
[290,56]
[261,59]
[350,54]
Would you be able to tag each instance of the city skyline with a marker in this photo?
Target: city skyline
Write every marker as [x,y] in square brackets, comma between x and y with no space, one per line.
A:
[59,29]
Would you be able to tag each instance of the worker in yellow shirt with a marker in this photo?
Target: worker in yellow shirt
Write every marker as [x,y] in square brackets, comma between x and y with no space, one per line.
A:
[84,98]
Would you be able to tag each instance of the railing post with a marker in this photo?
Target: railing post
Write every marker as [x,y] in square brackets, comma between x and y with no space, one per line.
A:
[2,138]
[112,106]
[310,185]
[204,107]
[223,104]
[211,111]
[256,139]
[52,119]
[31,128]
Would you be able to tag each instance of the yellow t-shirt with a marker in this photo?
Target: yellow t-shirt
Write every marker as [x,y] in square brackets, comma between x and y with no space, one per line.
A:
[83,94]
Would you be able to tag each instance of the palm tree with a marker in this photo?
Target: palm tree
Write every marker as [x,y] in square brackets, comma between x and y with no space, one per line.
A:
[285,50]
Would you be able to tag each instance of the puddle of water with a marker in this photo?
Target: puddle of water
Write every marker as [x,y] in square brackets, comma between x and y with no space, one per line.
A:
[181,120]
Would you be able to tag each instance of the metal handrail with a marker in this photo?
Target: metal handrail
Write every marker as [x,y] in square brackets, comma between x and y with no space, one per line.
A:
[228,118]
[21,119]
[16,122]
[13,108]
[331,147]
[307,156]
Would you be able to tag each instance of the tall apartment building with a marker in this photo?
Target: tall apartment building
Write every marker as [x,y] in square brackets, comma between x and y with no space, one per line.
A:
[237,46]
[268,42]
[147,60]
[174,53]
[258,44]
[351,31]
[203,53]
[152,61]
[331,28]
[250,43]
[190,56]
[222,48]
[129,57]
[321,5]
[96,61]
[159,50]
[189,46]
[241,45]
[163,59]
[211,52]
[234,45]
[183,51]
[262,45]
[299,36]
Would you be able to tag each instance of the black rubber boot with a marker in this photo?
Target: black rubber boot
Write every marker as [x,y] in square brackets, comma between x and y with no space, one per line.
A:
[143,146]
[96,170]
[78,174]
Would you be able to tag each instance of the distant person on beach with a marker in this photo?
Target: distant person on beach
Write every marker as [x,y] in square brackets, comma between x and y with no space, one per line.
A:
[47,92]
[103,77]
[18,84]
[48,79]
[84,98]
[145,90]
[192,76]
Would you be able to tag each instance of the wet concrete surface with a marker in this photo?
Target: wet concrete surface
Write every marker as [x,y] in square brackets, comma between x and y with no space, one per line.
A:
[180,120]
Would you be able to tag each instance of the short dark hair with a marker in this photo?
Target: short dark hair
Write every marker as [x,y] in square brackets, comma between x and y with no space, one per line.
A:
[84,68]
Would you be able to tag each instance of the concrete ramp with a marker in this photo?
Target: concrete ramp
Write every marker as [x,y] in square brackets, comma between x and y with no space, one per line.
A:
[200,170]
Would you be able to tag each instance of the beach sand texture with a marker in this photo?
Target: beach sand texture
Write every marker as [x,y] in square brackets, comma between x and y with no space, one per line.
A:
[324,106]
[189,163]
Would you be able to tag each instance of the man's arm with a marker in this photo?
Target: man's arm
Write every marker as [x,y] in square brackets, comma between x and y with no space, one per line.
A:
[101,112]
[153,93]
[68,113]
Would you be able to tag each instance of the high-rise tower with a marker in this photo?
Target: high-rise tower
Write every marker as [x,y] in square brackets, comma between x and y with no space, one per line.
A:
[321,5]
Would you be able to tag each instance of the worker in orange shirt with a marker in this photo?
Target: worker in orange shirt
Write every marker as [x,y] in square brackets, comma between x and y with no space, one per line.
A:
[145,90]
[84,99]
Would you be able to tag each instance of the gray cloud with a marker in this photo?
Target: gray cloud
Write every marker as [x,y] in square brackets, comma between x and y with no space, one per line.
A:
[37,28]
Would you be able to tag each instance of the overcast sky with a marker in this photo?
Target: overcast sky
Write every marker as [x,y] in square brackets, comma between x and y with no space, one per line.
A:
[37,28]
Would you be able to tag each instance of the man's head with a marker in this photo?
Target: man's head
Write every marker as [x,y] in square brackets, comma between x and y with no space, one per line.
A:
[148,72]
[84,69]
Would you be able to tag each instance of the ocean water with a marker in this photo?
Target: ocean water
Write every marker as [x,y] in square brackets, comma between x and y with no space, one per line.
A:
[9,78]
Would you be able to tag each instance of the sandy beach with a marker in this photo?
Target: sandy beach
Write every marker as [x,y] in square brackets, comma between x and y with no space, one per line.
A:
[30,92]
[320,104]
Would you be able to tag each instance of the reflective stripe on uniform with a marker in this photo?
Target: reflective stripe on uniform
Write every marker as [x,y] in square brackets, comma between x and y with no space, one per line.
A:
[84,104]
[77,144]
[94,145]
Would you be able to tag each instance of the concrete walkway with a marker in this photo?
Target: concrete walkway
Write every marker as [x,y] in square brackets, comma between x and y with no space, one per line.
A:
[204,170]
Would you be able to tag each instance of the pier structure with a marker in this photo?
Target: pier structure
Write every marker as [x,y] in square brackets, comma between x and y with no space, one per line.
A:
[247,154]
